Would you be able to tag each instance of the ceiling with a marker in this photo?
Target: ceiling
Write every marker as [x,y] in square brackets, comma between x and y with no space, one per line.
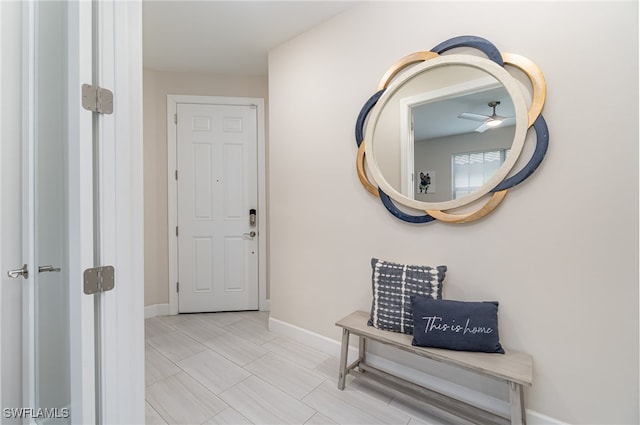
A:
[234,37]
[225,37]
[440,119]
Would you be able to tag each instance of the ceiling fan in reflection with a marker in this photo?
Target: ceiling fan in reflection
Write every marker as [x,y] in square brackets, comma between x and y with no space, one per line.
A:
[488,121]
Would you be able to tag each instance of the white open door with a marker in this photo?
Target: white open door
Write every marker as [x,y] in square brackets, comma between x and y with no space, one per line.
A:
[58,322]
[83,355]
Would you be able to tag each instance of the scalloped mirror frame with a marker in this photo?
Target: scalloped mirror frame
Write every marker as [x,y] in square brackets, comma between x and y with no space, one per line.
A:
[527,119]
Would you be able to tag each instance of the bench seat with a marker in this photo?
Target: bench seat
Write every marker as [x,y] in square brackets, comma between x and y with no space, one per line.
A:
[514,368]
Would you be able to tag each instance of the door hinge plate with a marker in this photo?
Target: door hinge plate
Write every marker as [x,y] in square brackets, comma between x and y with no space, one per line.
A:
[97,99]
[99,279]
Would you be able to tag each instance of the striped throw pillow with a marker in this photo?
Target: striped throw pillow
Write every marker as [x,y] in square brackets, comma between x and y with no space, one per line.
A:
[393,285]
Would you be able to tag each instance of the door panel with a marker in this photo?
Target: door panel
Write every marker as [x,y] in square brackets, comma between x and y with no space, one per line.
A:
[234,184]
[217,186]
[202,189]
[234,265]
[203,267]
[52,339]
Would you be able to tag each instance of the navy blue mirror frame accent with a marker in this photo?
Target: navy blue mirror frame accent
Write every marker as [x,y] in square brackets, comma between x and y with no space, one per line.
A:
[542,144]
[540,126]
[362,116]
[391,207]
[484,45]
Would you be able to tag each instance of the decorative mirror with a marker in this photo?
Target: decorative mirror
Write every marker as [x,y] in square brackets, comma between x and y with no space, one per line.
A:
[445,132]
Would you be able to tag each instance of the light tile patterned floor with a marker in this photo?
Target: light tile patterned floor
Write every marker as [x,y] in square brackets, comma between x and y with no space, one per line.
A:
[228,368]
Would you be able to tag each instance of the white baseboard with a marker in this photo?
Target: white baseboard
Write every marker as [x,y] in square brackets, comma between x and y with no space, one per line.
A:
[319,342]
[332,348]
[156,310]
[535,418]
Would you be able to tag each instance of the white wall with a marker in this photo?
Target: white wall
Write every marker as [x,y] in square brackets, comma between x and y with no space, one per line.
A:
[157,85]
[560,254]
[10,221]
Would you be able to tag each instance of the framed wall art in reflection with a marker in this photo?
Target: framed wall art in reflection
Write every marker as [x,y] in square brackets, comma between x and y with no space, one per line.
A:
[425,182]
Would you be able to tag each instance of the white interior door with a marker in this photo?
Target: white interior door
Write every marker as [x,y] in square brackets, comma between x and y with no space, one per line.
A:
[52,169]
[217,191]
[59,383]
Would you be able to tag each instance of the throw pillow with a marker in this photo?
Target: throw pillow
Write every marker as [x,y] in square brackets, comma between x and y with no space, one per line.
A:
[456,325]
[393,284]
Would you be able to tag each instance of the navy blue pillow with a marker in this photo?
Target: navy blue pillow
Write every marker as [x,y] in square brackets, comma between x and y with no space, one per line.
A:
[393,284]
[456,325]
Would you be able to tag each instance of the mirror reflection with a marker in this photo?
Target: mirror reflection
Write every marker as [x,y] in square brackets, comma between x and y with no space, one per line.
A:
[444,133]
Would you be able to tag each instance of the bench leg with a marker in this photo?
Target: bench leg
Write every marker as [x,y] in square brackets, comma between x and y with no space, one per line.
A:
[362,349]
[344,351]
[516,400]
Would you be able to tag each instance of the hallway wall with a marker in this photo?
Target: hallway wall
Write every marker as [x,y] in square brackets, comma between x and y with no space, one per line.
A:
[561,252]
[157,85]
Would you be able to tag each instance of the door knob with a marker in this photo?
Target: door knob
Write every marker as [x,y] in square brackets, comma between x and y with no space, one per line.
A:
[251,234]
[14,274]
[48,269]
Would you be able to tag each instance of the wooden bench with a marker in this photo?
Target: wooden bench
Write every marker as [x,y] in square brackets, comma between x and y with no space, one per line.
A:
[513,368]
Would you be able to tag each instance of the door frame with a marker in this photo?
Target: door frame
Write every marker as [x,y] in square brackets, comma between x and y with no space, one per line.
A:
[122,213]
[172,186]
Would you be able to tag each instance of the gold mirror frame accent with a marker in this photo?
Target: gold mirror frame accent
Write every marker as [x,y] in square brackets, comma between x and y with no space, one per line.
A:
[362,175]
[532,117]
